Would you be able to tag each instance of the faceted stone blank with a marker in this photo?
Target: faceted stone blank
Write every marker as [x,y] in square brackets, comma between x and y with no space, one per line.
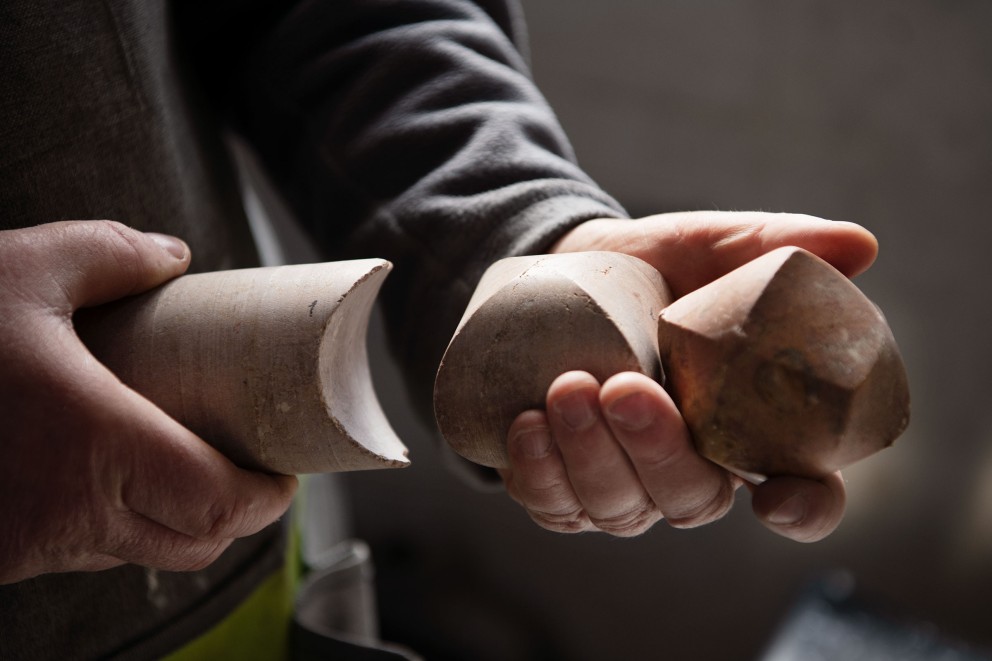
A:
[784,367]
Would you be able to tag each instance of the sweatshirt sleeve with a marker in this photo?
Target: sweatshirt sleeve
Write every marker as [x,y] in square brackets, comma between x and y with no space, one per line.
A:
[403,129]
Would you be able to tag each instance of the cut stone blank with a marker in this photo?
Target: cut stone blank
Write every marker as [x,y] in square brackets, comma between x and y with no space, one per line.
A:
[268,365]
[781,367]
[531,319]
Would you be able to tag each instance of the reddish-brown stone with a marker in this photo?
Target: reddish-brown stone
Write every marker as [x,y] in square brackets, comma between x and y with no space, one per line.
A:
[784,367]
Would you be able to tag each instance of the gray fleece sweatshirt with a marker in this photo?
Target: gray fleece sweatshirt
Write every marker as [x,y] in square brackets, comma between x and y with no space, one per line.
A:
[403,129]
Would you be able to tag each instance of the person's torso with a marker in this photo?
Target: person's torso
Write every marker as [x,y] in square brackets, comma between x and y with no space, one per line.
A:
[97,121]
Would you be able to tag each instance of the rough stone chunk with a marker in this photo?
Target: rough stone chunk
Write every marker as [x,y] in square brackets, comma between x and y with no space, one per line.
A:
[784,367]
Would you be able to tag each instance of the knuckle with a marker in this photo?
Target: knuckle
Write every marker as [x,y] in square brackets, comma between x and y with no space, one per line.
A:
[630,523]
[704,510]
[571,521]
[666,454]
[202,556]
[549,492]
[123,246]
[188,555]
[551,496]
[225,519]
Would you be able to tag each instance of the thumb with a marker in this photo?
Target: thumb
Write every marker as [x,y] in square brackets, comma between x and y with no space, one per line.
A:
[92,262]
[693,248]
[704,245]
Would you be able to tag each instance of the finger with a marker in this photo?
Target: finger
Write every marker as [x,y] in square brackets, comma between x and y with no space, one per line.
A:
[81,560]
[92,262]
[149,490]
[537,479]
[172,477]
[693,248]
[141,541]
[711,244]
[688,489]
[598,468]
[802,510]
[848,247]
[131,538]
[728,240]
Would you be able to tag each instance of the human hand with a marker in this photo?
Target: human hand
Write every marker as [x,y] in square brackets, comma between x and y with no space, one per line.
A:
[617,456]
[92,475]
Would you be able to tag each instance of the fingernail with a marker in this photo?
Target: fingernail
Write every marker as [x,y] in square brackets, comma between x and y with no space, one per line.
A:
[632,412]
[534,443]
[576,411]
[789,513]
[175,247]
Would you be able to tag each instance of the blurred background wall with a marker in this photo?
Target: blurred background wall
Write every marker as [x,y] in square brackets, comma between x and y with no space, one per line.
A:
[874,112]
